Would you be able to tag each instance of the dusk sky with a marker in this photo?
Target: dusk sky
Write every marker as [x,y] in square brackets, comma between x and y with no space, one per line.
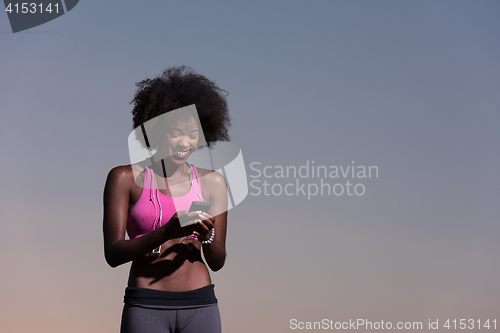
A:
[408,88]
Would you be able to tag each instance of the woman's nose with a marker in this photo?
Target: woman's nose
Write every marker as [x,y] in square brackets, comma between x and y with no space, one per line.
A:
[184,142]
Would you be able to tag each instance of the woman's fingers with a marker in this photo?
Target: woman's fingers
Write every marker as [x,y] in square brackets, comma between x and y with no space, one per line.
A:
[198,223]
[203,217]
[186,218]
[204,228]
[196,214]
[208,222]
[207,216]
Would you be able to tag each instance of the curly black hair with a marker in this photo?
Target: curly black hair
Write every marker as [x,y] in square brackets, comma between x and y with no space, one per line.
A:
[178,87]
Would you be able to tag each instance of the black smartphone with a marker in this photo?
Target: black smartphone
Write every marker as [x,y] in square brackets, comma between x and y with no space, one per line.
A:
[203,206]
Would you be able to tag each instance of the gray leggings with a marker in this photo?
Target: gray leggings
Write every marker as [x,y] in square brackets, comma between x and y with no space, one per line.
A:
[136,319]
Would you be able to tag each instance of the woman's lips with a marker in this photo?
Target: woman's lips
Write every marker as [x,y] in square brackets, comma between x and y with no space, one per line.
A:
[182,153]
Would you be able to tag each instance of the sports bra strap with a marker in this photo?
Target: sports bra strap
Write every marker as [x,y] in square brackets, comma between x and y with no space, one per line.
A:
[196,182]
[148,180]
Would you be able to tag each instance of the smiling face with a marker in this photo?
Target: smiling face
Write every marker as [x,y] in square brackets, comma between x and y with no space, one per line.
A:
[180,140]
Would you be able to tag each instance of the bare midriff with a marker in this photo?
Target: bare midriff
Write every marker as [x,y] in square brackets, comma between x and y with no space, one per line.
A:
[180,267]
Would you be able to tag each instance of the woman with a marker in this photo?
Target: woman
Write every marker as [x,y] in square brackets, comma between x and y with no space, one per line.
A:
[169,287]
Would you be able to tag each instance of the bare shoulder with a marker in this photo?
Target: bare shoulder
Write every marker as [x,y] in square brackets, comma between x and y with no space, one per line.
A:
[122,175]
[211,178]
[121,171]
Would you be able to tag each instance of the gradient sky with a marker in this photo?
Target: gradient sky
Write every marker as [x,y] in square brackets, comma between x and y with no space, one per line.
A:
[411,87]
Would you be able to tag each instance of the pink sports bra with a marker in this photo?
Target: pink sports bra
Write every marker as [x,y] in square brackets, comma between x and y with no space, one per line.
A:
[144,216]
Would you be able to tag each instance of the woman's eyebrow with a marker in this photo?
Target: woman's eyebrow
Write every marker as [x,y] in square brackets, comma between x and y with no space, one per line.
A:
[180,129]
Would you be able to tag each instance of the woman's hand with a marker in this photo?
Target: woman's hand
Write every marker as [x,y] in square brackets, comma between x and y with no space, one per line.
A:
[198,223]
[183,224]
[205,225]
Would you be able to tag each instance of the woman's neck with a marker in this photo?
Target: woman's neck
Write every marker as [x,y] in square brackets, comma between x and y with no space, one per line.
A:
[169,170]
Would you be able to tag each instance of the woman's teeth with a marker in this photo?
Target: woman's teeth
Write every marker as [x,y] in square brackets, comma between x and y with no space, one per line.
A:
[182,153]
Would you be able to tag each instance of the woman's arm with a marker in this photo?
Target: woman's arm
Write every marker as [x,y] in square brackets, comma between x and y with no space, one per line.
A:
[118,250]
[215,253]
